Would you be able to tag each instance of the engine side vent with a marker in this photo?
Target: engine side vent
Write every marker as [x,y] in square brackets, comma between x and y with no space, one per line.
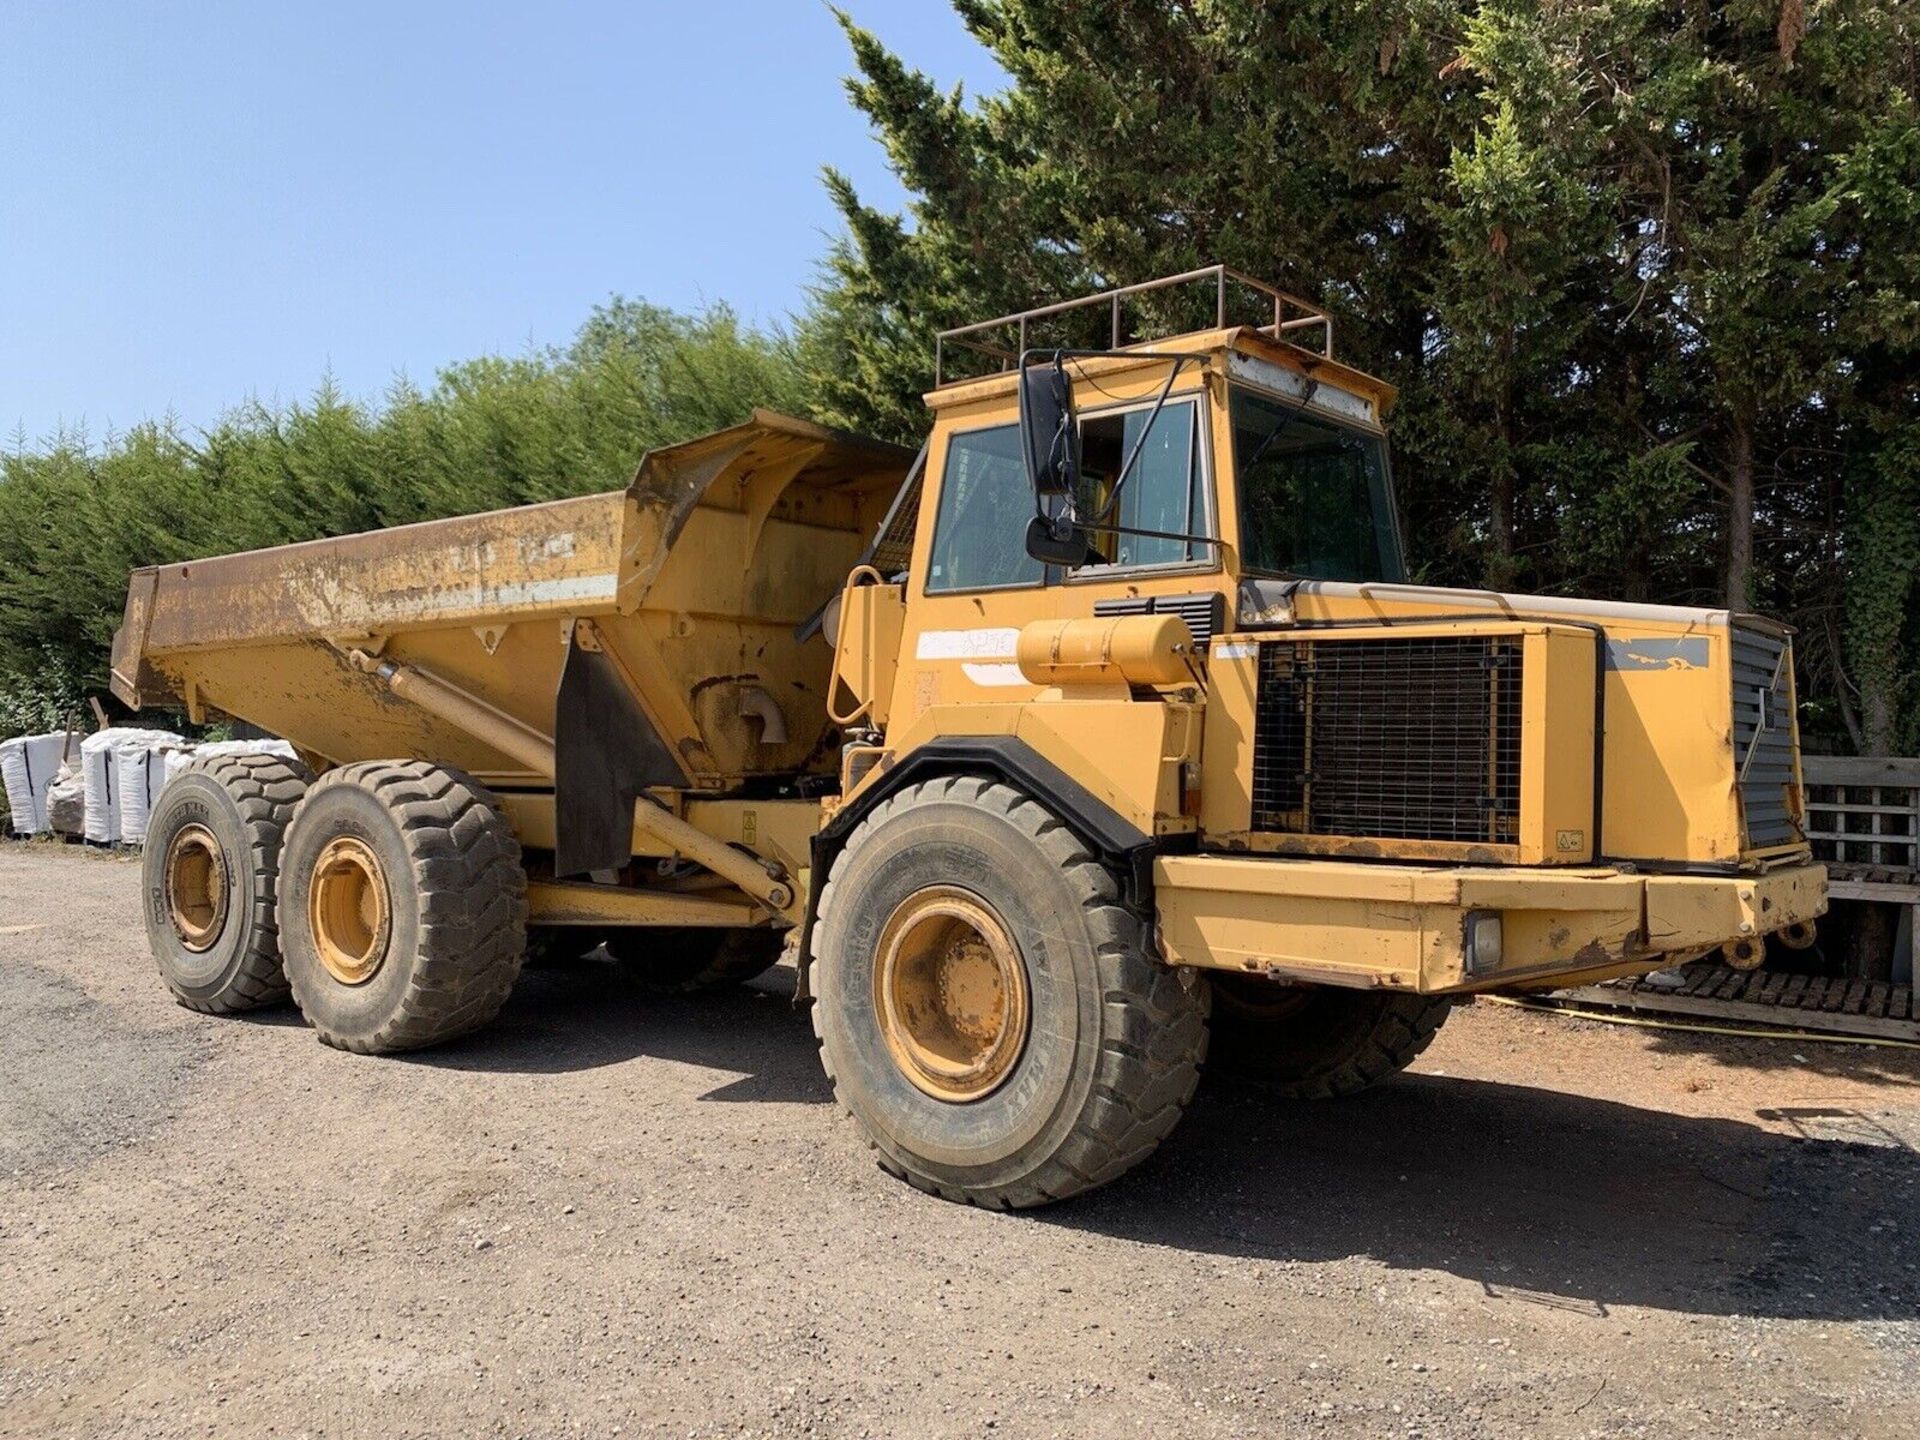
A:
[1401,739]
[1763,735]
[1204,613]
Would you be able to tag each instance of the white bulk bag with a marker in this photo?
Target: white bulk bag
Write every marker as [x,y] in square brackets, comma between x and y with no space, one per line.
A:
[139,772]
[67,801]
[172,762]
[100,770]
[28,765]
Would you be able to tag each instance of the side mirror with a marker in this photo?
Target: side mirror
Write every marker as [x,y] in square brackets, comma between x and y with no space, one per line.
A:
[1049,431]
[1058,541]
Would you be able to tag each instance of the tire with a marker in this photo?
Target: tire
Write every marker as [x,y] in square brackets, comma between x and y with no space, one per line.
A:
[406,909]
[1112,1041]
[219,826]
[1316,1042]
[678,960]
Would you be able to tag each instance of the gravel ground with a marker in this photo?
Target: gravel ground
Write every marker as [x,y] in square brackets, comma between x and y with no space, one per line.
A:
[613,1214]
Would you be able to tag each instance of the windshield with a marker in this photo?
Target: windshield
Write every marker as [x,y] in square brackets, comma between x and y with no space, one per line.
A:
[1314,498]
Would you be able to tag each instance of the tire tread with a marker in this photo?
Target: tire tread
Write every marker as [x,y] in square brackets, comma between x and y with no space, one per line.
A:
[1406,1027]
[698,959]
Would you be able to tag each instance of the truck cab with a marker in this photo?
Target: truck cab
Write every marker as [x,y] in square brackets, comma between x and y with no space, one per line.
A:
[1171,573]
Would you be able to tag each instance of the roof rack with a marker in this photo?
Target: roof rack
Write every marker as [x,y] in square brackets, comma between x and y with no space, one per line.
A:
[1291,316]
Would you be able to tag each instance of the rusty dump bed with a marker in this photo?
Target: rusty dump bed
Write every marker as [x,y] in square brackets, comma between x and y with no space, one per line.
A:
[694,577]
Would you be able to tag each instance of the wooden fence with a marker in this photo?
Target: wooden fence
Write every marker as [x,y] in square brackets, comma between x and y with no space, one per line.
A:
[1863,817]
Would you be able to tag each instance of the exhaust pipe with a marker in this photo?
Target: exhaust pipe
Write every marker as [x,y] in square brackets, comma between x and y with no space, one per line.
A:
[757,704]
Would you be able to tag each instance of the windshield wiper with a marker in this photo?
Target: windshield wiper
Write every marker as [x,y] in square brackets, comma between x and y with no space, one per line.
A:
[1286,423]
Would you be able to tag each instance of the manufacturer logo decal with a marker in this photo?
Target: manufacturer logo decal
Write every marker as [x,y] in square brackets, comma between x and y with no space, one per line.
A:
[1657,652]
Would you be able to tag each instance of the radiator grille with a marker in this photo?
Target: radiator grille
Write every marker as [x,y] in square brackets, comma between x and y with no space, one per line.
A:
[1763,735]
[1415,739]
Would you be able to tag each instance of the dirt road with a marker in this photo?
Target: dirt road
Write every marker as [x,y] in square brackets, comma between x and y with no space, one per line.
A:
[613,1214]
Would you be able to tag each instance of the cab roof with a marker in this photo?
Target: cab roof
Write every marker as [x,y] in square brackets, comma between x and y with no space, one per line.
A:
[1298,337]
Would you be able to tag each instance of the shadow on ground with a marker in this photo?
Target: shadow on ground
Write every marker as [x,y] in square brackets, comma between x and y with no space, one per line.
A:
[583,1014]
[1539,1197]
[1703,1037]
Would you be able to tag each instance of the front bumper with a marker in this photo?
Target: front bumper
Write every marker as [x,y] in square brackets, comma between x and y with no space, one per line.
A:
[1459,929]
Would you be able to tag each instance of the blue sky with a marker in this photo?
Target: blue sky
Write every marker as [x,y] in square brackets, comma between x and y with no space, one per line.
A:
[201,201]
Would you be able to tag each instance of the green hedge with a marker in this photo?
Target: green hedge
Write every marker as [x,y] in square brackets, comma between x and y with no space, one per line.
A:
[76,517]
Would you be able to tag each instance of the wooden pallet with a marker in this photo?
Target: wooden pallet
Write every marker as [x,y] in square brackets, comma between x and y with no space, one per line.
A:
[1769,997]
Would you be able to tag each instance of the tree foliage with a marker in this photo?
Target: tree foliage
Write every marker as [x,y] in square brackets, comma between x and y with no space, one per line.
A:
[1645,273]
[1647,277]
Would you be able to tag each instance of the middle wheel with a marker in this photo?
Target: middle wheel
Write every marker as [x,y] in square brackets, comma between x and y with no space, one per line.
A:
[403,906]
[988,1009]
[678,960]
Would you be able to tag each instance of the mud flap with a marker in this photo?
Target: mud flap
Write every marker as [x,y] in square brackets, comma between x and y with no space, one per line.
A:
[606,754]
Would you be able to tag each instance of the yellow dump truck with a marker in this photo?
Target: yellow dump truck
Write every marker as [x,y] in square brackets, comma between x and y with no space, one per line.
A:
[1106,724]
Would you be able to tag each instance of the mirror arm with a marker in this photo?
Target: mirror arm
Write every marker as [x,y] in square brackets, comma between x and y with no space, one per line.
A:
[1100,527]
[1059,358]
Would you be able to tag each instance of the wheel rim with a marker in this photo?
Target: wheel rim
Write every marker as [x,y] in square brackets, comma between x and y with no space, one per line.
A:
[196,888]
[950,993]
[348,910]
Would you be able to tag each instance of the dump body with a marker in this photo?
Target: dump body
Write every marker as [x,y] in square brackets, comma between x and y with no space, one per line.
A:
[696,576]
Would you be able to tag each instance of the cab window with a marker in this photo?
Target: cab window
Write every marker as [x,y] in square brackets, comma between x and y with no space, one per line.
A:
[1314,495]
[979,532]
[1163,491]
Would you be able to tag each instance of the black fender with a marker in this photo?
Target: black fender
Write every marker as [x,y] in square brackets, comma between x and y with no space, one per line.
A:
[1119,844]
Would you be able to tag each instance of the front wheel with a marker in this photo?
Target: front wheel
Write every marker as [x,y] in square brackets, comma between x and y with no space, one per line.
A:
[987,1009]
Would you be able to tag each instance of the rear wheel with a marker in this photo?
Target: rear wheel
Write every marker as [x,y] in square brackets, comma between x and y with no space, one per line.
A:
[987,1009]
[1314,1042]
[682,959]
[406,906]
[211,878]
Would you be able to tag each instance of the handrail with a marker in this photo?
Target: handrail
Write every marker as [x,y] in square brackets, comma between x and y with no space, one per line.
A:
[1291,315]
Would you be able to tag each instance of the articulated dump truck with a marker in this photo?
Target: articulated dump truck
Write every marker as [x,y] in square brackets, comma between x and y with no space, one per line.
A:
[1106,727]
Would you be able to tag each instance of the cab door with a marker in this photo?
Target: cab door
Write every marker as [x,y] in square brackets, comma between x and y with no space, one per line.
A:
[972,586]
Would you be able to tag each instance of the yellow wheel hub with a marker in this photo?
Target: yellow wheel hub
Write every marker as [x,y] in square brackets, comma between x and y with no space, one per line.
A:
[196,888]
[950,993]
[348,910]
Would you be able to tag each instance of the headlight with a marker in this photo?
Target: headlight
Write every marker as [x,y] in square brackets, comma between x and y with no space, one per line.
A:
[1483,942]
